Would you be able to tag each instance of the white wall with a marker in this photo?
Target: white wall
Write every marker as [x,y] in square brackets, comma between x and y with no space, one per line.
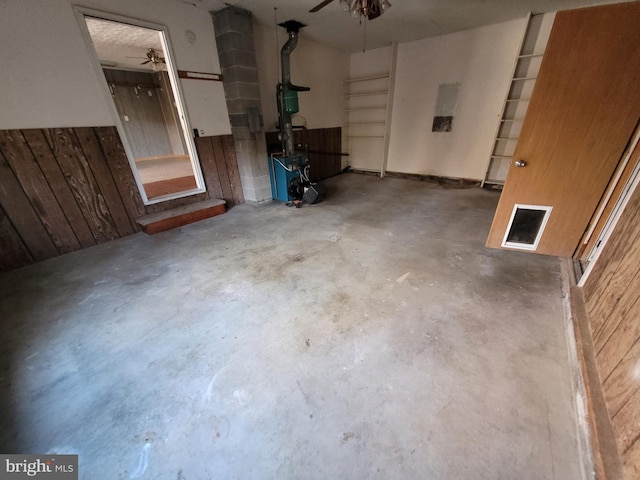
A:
[481,61]
[312,65]
[48,76]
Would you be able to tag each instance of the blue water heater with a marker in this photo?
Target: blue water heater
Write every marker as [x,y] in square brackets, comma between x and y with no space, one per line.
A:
[282,171]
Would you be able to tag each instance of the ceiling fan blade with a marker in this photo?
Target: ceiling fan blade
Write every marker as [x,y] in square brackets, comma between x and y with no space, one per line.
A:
[320,5]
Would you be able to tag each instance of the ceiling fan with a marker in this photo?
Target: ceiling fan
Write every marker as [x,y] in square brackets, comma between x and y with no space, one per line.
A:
[153,57]
[367,8]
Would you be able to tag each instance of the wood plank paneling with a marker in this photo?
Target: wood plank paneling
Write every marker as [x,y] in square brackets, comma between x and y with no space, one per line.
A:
[615,306]
[618,248]
[619,344]
[606,459]
[51,170]
[324,147]
[37,189]
[121,171]
[70,188]
[232,169]
[76,170]
[95,158]
[223,174]
[136,98]
[14,252]
[612,302]
[220,168]
[631,459]
[171,116]
[22,215]
[625,422]
[204,145]
[620,385]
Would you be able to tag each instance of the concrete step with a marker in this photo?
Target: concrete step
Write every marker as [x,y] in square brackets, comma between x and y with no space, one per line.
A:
[178,217]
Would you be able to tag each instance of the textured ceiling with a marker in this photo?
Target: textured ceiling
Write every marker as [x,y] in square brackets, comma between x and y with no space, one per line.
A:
[123,46]
[406,20]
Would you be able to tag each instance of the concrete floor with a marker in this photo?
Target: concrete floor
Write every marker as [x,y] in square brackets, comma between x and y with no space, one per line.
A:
[371,336]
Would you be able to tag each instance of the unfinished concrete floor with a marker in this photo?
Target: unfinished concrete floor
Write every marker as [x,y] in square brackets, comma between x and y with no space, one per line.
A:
[371,336]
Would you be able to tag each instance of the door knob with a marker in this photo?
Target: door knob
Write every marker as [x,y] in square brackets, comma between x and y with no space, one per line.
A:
[520,163]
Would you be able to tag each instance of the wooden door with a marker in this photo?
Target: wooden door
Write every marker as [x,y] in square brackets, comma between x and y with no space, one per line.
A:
[583,110]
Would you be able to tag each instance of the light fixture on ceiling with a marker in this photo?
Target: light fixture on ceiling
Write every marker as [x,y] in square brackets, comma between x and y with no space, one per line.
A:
[359,8]
[365,8]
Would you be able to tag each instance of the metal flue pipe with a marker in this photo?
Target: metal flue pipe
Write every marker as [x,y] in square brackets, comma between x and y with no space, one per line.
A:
[286,127]
[285,62]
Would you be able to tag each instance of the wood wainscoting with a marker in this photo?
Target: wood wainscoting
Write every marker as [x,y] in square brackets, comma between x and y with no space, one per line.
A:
[611,296]
[324,147]
[63,189]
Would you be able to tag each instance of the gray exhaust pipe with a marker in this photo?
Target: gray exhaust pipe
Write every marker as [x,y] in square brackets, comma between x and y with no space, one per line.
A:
[287,93]
[285,62]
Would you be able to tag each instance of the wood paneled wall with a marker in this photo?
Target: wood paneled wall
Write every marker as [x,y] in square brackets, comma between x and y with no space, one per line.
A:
[612,302]
[63,189]
[324,145]
[220,168]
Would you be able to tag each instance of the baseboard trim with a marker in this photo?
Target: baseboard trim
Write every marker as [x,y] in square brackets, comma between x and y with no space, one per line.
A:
[447,182]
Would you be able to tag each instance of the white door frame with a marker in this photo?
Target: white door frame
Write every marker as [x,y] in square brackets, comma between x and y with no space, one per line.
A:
[81,13]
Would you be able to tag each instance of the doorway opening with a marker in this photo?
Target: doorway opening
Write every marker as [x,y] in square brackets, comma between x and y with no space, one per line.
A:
[135,62]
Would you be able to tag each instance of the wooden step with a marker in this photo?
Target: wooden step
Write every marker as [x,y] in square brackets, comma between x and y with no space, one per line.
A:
[178,217]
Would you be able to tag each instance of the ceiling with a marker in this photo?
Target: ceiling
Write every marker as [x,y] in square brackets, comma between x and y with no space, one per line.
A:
[406,20]
[124,46]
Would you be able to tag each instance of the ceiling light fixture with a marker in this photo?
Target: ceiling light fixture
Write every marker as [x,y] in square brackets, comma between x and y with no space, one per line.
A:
[365,8]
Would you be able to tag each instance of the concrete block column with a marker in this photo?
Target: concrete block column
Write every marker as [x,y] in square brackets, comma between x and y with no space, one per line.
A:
[237,53]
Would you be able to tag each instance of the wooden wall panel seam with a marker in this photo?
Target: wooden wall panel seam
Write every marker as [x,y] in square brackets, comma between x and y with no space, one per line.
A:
[620,311]
[231,164]
[632,444]
[51,171]
[619,347]
[104,180]
[80,178]
[120,169]
[619,387]
[38,191]
[221,165]
[625,424]
[19,209]
[204,146]
[14,252]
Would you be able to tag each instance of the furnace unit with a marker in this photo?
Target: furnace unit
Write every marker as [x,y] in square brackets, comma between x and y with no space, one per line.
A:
[288,169]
